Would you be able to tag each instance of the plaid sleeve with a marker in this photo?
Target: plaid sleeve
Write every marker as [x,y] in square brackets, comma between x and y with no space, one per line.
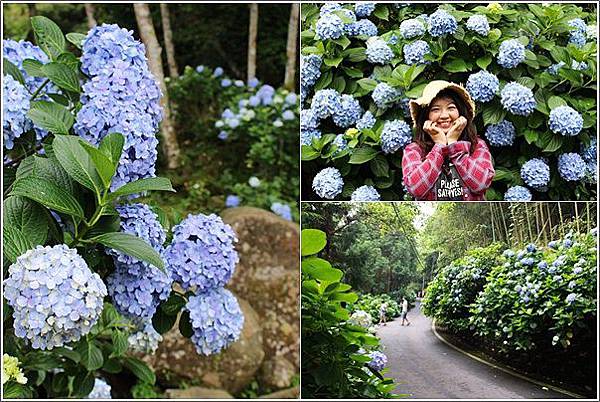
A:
[420,174]
[476,170]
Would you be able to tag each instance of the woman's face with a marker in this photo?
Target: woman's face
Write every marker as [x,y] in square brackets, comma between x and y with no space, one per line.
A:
[443,112]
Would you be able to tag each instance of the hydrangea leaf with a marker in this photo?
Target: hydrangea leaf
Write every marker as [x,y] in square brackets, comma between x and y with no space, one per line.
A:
[28,217]
[140,370]
[362,155]
[33,67]
[91,355]
[62,75]
[119,341]
[104,166]
[163,322]
[112,146]
[132,246]
[12,70]
[51,116]
[148,184]
[76,161]
[48,35]
[48,194]
[83,384]
[313,241]
[14,243]
[76,39]
[185,325]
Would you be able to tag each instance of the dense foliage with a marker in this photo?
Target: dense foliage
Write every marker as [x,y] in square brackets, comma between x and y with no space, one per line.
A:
[372,303]
[339,359]
[531,68]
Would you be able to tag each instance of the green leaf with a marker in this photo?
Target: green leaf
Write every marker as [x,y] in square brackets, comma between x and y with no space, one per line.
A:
[47,194]
[26,216]
[381,12]
[33,68]
[367,83]
[456,66]
[91,355]
[362,155]
[104,166]
[321,269]
[554,144]
[333,61]
[173,304]
[83,384]
[112,365]
[140,370]
[163,322]
[76,39]
[112,146]
[313,241]
[556,101]
[48,35]
[77,163]
[119,341]
[12,70]
[14,243]
[484,61]
[185,325]
[308,153]
[132,246]
[147,184]
[51,116]
[68,353]
[71,61]
[13,390]
[62,75]
[493,114]
[379,166]
[40,360]
[339,84]
[531,136]
[51,170]
[342,41]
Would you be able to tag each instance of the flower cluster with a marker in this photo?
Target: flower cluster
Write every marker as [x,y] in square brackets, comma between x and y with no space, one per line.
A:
[396,134]
[411,28]
[361,318]
[511,53]
[517,193]
[517,99]
[536,173]
[364,9]
[328,183]
[101,390]
[11,370]
[571,166]
[217,320]
[566,121]
[121,96]
[145,340]
[414,53]
[378,360]
[384,95]
[578,32]
[310,70]
[325,103]
[482,86]
[329,26]
[365,193]
[56,298]
[348,113]
[366,121]
[362,27]
[282,210]
[479,23]
[501,134]
[378,51]
[15,105]
[17,52]
[441,23]
[340,142]
[202,253]
[232,201]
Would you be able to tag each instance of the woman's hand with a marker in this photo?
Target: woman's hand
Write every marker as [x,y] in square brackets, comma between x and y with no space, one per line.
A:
[456,129]
[437,134]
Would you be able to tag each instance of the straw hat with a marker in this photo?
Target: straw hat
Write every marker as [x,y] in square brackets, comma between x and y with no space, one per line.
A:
[432,89]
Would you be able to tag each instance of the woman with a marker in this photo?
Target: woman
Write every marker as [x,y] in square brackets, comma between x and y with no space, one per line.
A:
[447,160]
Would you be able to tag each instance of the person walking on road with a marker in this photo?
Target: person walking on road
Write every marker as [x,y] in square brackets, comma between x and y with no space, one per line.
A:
[382,310]
[405,311]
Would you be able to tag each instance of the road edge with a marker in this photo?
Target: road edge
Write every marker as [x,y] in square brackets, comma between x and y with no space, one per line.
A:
[506,369]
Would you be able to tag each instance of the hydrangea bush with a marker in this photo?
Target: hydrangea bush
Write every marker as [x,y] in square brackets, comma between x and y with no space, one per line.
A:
[89,274]
[531,69]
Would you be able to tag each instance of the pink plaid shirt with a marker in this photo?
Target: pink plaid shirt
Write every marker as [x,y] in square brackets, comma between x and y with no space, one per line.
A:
[421,171]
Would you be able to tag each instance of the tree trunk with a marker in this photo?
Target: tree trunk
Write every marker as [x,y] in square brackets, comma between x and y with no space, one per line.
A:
[89,12]
[492,221]
[153,50]
[32,13]
[168,36]
[252,33]
[292,44]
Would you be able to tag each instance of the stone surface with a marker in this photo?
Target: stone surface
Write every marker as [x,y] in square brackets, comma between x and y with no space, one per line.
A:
[290,393]
[231,370]
[276,373]
[268,276]
[197,393]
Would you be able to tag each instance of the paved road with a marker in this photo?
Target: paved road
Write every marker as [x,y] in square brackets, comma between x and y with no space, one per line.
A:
[425,368]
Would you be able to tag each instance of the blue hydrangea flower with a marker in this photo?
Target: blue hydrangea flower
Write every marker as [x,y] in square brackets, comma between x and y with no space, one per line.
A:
[517,99]
[536,174]
[310,70]
[200,68]
[384,95]
[145,340]
[56,298]
[282,210]
[238,83]
[589,152]
[232,201]
[571,298]
[217,320]
[479,24]
[362,27]
[511,53]
[396,134]
[411,28]
[378,51]
[307,136]
[414,53]
[517,193]
[253,82]
[328,183]
[591,172]
[378,360]
[329,26]
[17,52]
[579,66]
[308,119]
[501,134]
[225,82]
[121,96]
[291,98]
[553,69]
[265,93]
[365,193]
[482,86]
[288,115]
[571,166]
[364,9]
[441,23]
[340,142]
[366,121]
[578,33]
[348,112]
[15,105]
[254,181]
[325,103]
[404,106]
[202,253]
[328,8]
[565,120]
[223,135]
[101,390]
[218,72]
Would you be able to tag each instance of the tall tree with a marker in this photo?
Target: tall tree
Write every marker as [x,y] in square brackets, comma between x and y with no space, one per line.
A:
[292,45]
[252,33]
[90,10]
[153,51]
[168,36]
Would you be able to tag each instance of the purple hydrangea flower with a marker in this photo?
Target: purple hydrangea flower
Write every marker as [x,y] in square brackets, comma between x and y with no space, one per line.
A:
[378,360]
[232,201]
[145,340]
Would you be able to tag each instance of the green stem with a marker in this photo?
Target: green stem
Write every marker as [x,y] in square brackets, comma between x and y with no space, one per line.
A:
[37,92]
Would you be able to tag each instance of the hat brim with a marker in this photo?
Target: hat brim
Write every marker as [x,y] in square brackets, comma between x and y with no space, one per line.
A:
[431,91]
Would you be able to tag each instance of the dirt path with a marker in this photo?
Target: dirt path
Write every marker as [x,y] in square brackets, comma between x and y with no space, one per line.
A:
[425,367]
